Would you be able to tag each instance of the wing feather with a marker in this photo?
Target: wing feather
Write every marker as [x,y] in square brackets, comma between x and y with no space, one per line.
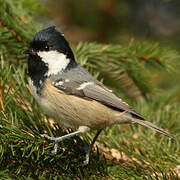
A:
[96,91]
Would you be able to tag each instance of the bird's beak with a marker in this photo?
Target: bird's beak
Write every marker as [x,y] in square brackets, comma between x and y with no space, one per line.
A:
[29,51]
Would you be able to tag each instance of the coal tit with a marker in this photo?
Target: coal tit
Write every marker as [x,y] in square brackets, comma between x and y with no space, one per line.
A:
[69,94]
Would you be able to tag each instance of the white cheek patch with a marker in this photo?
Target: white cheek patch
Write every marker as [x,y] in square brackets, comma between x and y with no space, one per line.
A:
[56,61]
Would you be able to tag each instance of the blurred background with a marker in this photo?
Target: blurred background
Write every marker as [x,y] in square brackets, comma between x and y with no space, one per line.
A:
[116,21]
[120,22]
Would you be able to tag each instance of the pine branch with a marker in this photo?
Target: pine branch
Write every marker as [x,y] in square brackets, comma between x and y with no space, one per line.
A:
[126,68]
[16,27]
[24,153]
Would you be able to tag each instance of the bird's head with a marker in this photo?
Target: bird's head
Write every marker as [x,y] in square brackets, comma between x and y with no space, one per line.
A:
[49,50]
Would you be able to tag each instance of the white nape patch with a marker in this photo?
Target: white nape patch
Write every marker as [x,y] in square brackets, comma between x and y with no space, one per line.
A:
[56,61]
[83,85]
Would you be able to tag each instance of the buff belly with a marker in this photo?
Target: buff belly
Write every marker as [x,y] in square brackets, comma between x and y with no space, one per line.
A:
[72,111]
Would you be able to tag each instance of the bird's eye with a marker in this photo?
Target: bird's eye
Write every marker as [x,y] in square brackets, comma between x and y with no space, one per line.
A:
[46,48]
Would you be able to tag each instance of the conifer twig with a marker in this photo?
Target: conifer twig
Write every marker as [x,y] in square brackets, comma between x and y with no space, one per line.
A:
[2,104]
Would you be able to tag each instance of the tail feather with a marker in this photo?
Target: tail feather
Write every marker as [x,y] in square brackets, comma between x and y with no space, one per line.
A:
[154,127]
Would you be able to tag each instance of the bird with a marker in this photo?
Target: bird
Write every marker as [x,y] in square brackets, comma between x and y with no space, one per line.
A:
[68,93]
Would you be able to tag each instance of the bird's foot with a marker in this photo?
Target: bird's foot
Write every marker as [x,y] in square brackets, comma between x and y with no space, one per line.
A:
[54,151]
[49,137]
[86,161]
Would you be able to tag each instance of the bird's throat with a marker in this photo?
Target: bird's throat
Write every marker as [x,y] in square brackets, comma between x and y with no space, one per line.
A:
[37,71]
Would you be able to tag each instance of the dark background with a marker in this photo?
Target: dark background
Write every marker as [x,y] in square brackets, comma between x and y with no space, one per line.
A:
[116,21]
[120,22]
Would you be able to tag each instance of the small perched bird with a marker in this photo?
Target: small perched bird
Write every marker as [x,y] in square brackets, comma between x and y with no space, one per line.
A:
[69,94]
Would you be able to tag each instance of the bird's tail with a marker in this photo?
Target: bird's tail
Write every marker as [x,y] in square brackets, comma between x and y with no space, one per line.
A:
[154,127]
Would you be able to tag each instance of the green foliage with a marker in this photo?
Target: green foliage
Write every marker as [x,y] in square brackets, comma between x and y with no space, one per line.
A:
[16,29]
[127,70]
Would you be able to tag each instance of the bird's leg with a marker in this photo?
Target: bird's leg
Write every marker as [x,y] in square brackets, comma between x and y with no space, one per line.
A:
[81,129]
[88,152]
[58,139]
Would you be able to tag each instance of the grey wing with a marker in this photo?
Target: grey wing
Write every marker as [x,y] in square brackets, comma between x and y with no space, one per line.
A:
[94,90]
[104,95]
